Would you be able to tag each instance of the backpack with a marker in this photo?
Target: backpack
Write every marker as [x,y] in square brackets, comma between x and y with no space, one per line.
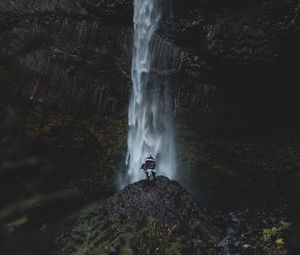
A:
[150,164]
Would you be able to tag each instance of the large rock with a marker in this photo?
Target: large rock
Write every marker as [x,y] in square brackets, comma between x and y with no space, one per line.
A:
[164,213]
[163,199]
[166,202]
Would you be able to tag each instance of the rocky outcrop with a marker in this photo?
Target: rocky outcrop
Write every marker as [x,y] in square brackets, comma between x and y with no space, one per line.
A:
[165,200]
[177,225]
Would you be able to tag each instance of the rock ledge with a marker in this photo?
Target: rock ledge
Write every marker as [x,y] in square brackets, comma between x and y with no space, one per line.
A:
[165,200]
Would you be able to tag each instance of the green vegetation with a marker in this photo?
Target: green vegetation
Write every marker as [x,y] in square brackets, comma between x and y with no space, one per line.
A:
[273,239]
[100,234]
[260,165]
[147,237]
[53,163]
[6,82]
[270,240]
[67,148]
[110,237]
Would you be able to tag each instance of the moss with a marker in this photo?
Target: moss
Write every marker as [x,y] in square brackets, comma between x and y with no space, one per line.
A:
[74,141]
[272,239]
[5,77]
[102,235]
[59,150]
[97,233]
[7,88]
[60,161]
[245,168]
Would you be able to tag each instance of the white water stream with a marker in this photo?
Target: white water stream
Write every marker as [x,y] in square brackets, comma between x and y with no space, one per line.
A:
[150,114]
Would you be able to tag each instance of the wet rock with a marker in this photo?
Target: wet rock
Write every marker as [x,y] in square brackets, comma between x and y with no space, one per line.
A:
[243,33]
[165,200]
[78,53]
[161,210]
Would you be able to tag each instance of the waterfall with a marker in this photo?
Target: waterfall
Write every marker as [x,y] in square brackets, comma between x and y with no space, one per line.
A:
[150,126]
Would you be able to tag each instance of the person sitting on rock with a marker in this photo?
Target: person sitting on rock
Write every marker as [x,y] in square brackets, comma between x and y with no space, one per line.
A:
[149,166]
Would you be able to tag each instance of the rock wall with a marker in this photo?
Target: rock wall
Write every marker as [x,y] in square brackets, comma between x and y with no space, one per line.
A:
[77,54]
[241,32]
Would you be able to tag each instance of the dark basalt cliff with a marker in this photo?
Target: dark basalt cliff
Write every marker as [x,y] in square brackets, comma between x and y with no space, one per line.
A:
[65,81]
[77,54]
[240,32]
[62,53]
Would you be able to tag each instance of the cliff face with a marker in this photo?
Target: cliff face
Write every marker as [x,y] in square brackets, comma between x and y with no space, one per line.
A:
[243,33]
[62,53]
[230,66]
[77,54]
[252,49]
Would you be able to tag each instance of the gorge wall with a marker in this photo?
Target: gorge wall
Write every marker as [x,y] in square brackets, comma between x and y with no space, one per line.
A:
[77,54]
[233,69]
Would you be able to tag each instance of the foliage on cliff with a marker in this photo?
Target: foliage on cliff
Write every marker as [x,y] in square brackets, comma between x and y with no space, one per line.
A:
[72,144]
[254,163]
[53,163]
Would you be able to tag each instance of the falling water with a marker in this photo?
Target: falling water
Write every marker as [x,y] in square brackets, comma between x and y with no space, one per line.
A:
[150,113]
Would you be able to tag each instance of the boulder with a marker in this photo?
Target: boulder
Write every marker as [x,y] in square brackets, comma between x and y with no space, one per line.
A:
[163,199]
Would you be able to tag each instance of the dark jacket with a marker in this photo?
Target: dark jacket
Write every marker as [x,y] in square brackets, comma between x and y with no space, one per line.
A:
[149,164]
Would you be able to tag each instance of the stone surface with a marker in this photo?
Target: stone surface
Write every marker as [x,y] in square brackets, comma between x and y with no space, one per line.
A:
[240,32]
[165,200]
[232,66]
[77,54]
[121,223]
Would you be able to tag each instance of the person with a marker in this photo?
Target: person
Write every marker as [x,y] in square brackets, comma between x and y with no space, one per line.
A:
[149,166]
